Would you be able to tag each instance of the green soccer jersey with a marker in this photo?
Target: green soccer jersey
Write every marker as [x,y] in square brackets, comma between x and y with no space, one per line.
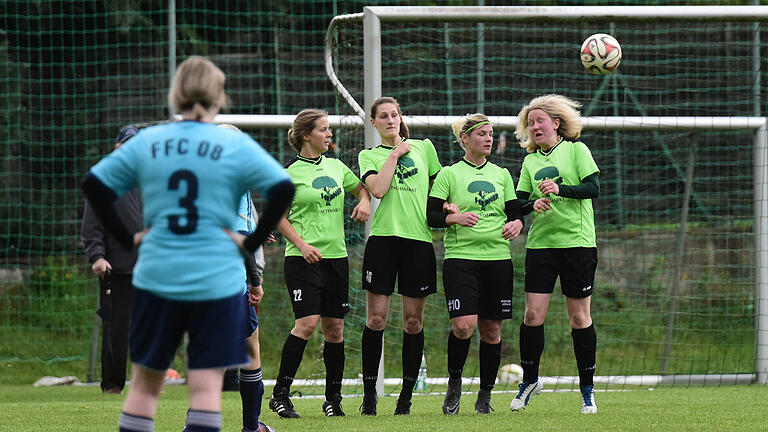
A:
[403,209]
[570,222]
[482,190]
[317,212]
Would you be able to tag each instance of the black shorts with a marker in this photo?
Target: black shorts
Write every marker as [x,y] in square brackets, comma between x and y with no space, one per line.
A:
[575,266]
[482,288]
[411,262]
[216,328]
[317,289]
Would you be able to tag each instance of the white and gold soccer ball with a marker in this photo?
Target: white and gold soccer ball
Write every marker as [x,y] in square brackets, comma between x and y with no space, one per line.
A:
[510,374]
[601,54]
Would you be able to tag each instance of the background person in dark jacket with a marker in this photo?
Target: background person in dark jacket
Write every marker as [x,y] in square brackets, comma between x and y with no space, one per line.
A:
[113,264]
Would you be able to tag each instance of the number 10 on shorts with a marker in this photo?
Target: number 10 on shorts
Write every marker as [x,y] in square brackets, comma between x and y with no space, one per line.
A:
[454,305]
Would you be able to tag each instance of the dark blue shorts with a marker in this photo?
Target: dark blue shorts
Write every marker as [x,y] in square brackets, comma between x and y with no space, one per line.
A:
[216,328]
[253,317]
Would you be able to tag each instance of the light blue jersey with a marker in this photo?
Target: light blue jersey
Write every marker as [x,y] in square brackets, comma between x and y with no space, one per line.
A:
[192,177]
[246,224]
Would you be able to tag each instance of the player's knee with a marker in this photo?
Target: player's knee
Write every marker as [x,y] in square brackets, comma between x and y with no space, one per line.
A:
[304,330]
[334,333]
[376,322]
[580,321]
[412,325]
[462,330]
[533,318]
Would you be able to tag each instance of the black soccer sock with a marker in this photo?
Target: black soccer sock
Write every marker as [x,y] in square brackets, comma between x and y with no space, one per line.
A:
[531,348]
[333,356]
[203,421]
[413,349]
[585,347]
[490,358]
[293,351]
[133,423]
[251,394]
[371,348]
[457,354]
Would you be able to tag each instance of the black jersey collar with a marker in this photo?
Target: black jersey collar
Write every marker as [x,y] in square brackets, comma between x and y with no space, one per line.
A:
[473,165]
[549,152]
[315,161]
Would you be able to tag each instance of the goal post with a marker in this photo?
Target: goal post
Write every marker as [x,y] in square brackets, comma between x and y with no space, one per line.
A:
[372,18]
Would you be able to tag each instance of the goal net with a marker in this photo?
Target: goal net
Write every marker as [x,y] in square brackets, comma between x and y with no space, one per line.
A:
[676,282]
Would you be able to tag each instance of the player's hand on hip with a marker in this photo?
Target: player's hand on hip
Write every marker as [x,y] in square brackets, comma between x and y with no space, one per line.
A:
[541,205]
[101,266]
[549,187]
[362,212]
[255,294]
[512,229]
[311,254]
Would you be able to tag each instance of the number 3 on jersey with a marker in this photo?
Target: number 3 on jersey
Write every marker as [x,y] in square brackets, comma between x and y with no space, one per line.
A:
[186,202]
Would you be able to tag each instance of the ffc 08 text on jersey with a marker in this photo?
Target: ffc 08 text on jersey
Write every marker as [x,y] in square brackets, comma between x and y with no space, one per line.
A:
[182,146]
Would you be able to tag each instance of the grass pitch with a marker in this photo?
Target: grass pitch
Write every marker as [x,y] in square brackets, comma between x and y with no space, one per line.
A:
[732,408]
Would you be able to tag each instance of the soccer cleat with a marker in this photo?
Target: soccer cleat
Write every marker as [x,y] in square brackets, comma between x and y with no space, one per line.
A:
[588,405]
[527,391]
[282,405]
[403,406]
[261,428]
[483,403]
[332,408]
[368,407]
[452,397]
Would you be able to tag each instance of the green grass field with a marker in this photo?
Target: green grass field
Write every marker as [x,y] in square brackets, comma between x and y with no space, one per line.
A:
[733,408]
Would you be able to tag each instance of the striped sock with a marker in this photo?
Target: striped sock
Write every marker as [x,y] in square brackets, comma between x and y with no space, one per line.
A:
[251,394]
[133,423]
[203,421]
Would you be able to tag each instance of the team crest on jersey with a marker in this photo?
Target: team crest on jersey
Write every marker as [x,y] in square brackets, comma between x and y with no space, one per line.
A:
[485,192]
[329,189]
[548,173]
[406,167]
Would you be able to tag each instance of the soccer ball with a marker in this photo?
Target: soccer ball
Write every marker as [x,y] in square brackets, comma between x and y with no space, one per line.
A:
[601,54]
[510,374]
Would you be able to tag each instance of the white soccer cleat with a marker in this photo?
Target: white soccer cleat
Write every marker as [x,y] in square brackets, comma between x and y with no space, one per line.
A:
[527,391]
[588,405]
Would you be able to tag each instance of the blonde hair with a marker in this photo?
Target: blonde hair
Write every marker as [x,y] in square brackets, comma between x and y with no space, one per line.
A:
[556,107]
[198,86]
[403,132]
[303,125]
[464,124]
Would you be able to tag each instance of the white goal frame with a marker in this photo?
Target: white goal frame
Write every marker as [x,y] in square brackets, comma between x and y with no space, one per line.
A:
[373,15]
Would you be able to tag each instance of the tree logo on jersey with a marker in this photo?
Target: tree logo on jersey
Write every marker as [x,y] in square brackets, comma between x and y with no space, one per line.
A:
[485,191]
[328,188]
[406,167]
[548,173]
